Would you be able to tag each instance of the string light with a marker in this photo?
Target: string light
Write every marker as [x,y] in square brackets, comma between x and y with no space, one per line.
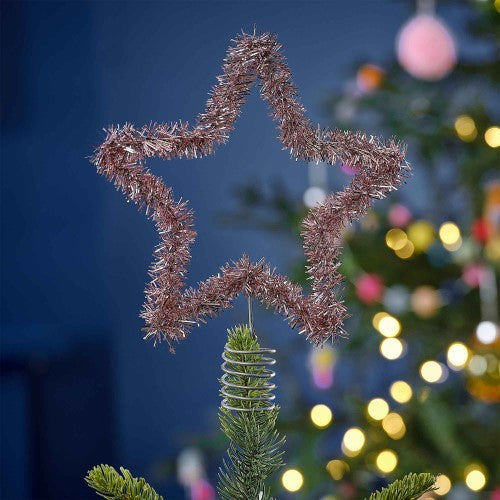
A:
[449,233]
[401,391]
[492,137]
[457,355]
[321,416]
[377,408]
[391,348]
[443,485]
[465,128]
[487,332]
[433,372]
[407,251]
[337,469]
[394,425]
[396,239]
[377,318]
[353,441]
[421,234]
[292,480]
[475,477]
[389,326]
[478,365]
[386,461]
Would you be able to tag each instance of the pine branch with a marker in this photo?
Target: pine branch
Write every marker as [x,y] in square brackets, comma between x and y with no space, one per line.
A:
[410,487]
[255,446]
[109,484]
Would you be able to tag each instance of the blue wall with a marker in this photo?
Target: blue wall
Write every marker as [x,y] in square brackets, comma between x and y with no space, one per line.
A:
[80,385]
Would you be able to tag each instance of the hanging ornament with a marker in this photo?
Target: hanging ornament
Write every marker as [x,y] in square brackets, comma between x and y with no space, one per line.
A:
[369,288]
[397,299]
[425,301]
[472,274]
[369,78]
[399,215]
[425,46]
[322,361]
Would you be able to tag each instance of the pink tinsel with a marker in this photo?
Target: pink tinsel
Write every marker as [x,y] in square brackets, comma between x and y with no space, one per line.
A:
[170,309]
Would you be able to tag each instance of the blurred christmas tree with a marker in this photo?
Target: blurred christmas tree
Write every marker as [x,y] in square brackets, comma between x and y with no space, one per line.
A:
[418,382]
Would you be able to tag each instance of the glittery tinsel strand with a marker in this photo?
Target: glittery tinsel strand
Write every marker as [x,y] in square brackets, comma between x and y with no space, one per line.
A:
[171,309]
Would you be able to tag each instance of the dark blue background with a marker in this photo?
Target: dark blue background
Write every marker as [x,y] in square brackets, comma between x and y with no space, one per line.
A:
[79,386]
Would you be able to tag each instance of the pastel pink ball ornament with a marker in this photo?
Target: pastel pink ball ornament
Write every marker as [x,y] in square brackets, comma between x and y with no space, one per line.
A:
[369,288]
[425,48]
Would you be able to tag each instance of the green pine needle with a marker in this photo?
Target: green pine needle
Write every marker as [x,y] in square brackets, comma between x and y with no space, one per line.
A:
[255,446]
[410,487]
[109,484]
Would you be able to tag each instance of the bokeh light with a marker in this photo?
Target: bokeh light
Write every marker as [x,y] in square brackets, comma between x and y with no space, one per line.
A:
[443,485]
[401,391]
[492,137]
[475,477]
[353,441]
[377,408]
[465,128]
[391,348]
[407,251]
[477,365]
[432,372]
[337,469]
[396,238]
[421,234]
[292,480]
[487,332]
[321,416]
[377,317]
[386,461]
[394,425]
[449,233]
[389,326]
[457,355]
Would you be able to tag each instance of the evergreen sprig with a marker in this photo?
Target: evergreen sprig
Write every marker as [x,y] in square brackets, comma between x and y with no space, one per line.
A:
[109,484]
[255,449]
[410,487]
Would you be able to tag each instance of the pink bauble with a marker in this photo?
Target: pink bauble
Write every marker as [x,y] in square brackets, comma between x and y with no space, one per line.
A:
[473,274]
[425,48]
[202,490]
[369,288]
[399,215]
[348,169]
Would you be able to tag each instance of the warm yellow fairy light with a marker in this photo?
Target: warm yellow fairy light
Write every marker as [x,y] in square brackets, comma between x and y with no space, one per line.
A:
[353,441]
[457,355]
[449,233]
[475,477]
[337,469]
[386,461]
[443,485]
[377,408]
[321,416]
[377,318]
[396,238]
[407,251]
[292,480]
[453,247]
[432,371]
[389,326]
[401,391]
[394,425]
[465,128]
[391,348]
[421,234]
[477,365]
[492,137]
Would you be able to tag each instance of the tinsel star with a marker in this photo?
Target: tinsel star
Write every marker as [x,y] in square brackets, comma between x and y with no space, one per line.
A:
[171,309]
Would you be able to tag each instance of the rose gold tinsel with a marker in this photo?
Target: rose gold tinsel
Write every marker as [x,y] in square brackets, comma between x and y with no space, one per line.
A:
[171,309]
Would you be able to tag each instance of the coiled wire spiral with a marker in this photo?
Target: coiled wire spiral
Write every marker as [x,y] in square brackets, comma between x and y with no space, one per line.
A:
[252,366]
[258,396]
